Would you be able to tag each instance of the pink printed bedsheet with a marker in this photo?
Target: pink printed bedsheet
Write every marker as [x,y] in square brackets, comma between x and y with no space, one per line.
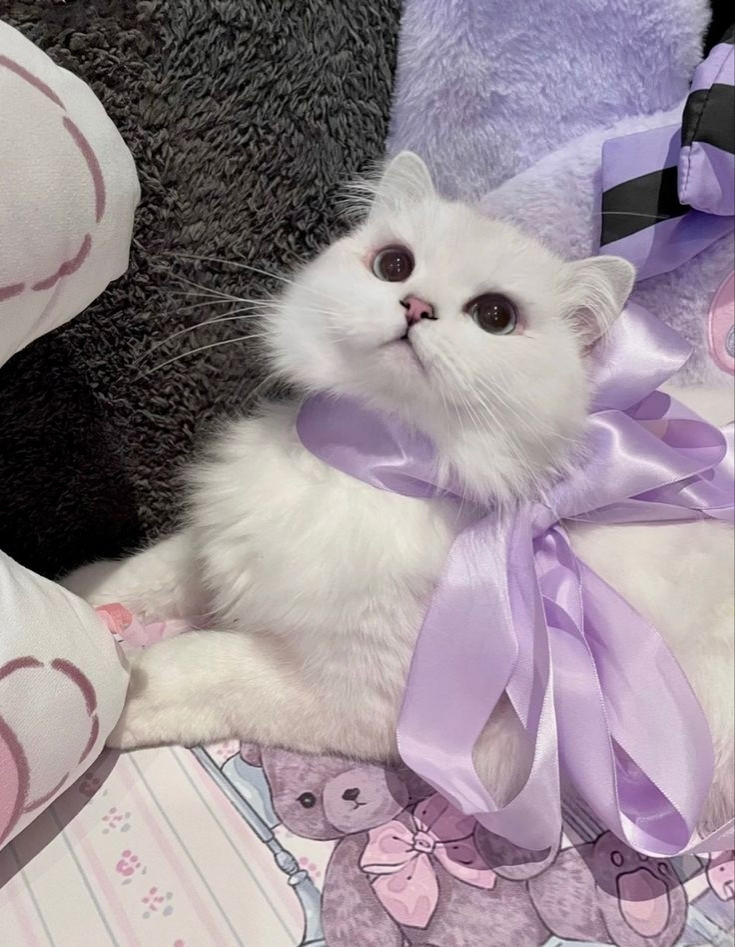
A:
[231,846]
[147,850]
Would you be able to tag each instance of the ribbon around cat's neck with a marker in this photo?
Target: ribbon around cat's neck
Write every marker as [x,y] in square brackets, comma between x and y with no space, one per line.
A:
[516,612]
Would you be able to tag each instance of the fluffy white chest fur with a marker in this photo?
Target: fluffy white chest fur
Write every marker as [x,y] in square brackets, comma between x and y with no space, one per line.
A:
[315,585]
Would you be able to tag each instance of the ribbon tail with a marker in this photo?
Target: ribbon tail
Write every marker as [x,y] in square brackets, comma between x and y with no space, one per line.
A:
[722,839]
[633,736]
[468,648]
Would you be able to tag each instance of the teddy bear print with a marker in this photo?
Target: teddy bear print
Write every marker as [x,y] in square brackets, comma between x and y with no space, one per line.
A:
[406,867]
[605,892]
[721,874]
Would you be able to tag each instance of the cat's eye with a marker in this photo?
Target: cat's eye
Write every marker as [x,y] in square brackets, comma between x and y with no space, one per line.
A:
[393,264]
[307,800]
[617,859]
[493,313]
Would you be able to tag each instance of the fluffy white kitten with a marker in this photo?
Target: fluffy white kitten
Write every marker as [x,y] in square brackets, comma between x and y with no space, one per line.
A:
[317,582]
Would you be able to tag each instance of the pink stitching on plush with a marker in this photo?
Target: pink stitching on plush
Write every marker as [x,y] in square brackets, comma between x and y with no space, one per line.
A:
[80,679]
[17,663]
[33,80]
[67,267]
[21,763]
[92,737]
[92,163]
[45,798]
[7,292]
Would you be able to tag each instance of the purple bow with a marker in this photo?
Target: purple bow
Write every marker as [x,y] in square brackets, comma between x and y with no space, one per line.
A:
[515,612]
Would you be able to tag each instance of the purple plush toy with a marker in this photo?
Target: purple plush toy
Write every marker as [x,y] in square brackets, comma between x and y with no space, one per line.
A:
[510,105]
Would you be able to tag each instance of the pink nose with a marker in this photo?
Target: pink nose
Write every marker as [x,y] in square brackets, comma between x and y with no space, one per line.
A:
[417,309]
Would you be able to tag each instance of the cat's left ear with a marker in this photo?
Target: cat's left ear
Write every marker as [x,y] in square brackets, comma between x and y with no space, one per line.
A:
[405,180]
[596,290]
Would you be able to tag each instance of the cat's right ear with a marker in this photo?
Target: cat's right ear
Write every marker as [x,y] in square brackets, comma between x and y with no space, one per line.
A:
[596,290]
[405,181]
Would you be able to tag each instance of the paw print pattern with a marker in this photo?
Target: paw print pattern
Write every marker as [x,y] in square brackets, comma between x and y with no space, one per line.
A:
[115,820]
[89,784]
[309,866]
[128,865]
[221,752]
[156,902]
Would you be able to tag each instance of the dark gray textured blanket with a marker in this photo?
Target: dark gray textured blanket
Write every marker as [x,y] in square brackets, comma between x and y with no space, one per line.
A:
[245,118]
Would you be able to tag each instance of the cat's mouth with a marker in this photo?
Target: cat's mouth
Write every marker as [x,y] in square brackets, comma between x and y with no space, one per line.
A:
[403,344]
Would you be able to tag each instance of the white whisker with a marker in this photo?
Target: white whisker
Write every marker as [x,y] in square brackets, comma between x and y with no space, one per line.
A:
[270,379]
[202,348]
[236,263]
[207,322]
[267,273]
[629,213]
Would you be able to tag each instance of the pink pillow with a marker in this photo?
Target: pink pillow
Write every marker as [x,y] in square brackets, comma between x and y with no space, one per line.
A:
[68,196]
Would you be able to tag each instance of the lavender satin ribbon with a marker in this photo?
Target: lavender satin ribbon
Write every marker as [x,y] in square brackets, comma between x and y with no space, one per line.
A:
[515,612]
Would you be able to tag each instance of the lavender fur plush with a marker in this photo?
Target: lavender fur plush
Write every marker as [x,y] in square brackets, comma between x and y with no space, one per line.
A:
[558,199]
[510,104]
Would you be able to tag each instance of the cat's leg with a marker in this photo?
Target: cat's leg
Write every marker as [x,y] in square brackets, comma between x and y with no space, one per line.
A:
[159,582]
[205,686]
[503,754]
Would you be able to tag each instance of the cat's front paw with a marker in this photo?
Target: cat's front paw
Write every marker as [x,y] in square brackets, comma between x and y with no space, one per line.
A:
[150,719]
[143,720]
[133,730]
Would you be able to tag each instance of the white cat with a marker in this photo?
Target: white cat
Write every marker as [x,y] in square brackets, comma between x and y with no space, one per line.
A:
[318,583]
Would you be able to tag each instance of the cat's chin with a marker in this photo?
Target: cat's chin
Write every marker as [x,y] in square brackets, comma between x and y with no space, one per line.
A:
[391,377]
[402,354]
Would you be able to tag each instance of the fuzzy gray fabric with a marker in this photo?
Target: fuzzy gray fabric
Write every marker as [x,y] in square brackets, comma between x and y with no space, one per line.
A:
[245,118]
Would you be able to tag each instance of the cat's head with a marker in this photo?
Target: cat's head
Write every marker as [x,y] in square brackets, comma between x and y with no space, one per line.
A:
[467,328]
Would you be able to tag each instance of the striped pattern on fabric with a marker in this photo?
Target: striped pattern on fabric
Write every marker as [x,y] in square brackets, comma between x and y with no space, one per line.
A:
[146,850]
[707,159]
[669,192]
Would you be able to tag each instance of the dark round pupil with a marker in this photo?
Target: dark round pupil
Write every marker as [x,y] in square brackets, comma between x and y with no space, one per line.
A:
[493,313]
[307,800]
[394,265]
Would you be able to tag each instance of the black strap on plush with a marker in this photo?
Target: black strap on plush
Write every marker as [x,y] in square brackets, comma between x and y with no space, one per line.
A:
[709,116]
[640,203]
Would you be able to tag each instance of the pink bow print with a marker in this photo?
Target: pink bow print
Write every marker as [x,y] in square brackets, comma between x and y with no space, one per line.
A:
[401,858]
